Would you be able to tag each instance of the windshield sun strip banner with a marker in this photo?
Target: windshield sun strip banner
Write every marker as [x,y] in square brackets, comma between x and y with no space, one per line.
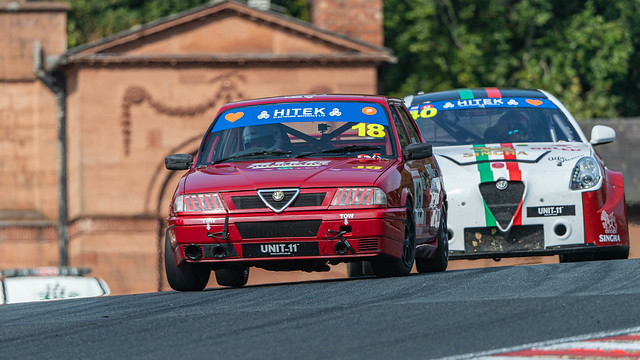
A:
[431,109]
[486,175]
[361,112]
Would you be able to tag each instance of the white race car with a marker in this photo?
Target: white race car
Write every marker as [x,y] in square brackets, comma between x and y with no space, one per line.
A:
[521,177]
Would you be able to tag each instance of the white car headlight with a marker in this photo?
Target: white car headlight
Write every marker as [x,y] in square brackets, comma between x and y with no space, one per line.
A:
[359,196]
[586,174]
[208,202]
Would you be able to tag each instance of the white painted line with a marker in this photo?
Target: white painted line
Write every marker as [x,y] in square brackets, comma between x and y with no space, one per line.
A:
[597,335]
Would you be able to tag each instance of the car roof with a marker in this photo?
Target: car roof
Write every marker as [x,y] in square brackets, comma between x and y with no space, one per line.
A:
[474,93]
[381,99]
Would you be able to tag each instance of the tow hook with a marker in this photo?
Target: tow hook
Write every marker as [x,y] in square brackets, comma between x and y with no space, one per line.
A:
[224,235]
[342,246]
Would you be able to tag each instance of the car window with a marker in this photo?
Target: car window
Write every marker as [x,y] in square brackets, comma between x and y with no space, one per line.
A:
[403,137]
[408,124]
[455,122]
[298,129]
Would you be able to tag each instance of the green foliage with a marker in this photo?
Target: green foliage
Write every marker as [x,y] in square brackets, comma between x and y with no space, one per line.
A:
[577,49]
[583,51]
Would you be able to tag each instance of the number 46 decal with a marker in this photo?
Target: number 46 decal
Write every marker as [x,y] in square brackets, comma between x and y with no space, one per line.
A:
[372,130]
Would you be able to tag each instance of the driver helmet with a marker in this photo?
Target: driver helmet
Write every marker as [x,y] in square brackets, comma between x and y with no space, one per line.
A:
[261,136]
[514,126]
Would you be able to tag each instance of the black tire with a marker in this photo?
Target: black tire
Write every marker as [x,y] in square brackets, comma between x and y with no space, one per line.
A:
[359,268]
[187,276]
[386,266]
[440,259]
[234,276]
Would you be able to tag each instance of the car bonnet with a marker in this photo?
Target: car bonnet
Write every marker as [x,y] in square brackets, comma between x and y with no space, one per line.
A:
[295,173]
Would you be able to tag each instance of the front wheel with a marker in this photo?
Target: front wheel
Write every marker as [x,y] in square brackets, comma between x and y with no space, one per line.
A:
[233,276]
[187,276]
[440,259]
[386,266]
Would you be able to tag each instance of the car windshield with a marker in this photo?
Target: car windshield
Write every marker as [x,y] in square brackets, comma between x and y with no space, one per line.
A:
[299,129]
[484,121]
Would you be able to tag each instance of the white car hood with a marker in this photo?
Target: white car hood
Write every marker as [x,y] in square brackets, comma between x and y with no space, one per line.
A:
[544,169]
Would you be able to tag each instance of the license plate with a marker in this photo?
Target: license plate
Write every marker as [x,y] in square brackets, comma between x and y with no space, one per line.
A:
[280,249]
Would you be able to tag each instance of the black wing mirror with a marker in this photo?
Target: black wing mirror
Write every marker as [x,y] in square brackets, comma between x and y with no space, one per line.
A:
[418,151]
[178,161]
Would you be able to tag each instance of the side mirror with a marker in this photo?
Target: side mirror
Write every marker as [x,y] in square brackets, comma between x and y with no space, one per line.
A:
[178,161]
[601,134]
[418,151]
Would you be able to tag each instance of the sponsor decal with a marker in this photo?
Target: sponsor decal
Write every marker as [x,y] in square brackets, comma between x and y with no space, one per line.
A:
[369,167]
[609,222]
[561,159]
[505,149]
[280,249]
[479,103]
[497,165]
[533,102]
[418,196]
[563,147]
[609,238]
[553,210]
[368,110]
[289,164]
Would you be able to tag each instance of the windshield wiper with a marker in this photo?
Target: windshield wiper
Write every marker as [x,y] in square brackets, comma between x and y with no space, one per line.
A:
[249,154]
[340,150]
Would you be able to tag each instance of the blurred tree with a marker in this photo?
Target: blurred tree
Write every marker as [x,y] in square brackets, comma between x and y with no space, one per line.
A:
[577,49]
[583,51]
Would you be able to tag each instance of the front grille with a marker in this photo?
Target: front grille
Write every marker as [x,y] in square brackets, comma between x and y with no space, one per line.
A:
[278,229]
[254,201]
[503,204]
[489,240]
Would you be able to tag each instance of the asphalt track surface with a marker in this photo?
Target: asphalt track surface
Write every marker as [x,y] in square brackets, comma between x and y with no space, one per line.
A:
[455,314]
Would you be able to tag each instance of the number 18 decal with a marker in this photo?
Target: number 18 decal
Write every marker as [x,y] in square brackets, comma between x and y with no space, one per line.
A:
[373,130]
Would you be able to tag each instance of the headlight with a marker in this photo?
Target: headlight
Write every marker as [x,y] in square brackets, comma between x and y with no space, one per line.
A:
[585,175]
[209,202]
[359,196]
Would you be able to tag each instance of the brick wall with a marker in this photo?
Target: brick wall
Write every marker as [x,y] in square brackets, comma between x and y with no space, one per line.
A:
[359,19]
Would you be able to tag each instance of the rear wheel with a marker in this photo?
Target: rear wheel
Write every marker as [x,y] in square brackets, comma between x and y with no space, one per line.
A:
[233,276]
[187,276]
[440,259]
[386,266]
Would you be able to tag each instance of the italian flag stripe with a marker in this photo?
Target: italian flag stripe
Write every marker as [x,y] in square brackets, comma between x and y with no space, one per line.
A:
[493,93]
[465,94]
[514,169]
[486,175]
[514,175]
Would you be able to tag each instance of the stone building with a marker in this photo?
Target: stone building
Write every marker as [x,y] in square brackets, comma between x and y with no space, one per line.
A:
[84,131]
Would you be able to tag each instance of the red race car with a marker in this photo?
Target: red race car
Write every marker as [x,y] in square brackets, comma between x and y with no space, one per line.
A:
[304,182]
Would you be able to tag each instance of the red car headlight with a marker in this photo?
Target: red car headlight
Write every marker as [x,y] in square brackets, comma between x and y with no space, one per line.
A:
[208,202]
[359,196]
